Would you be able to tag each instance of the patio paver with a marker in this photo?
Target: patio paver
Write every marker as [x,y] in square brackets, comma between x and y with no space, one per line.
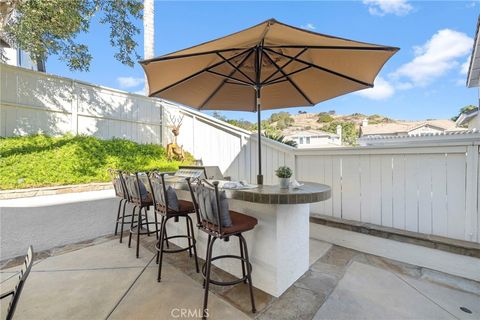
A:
[367,292]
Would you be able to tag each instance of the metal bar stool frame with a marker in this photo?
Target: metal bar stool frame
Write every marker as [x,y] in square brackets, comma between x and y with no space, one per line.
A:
[158,190]
[121,192]
[216,232]
[132,184]
[22,277]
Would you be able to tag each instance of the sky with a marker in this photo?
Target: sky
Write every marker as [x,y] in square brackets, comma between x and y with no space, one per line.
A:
[424,80]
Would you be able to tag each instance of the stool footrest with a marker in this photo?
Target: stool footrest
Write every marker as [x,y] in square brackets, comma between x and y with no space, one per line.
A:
[228,283]
[177,250]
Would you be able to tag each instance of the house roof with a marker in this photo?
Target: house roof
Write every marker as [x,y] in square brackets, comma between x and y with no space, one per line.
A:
[407,126]
[307,133]
[465,117]
[473,76]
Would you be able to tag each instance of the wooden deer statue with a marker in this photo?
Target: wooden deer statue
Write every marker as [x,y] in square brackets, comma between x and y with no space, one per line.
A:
[173,149]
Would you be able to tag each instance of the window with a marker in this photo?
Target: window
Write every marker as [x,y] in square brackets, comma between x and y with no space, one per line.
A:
[301,140]
[307,140]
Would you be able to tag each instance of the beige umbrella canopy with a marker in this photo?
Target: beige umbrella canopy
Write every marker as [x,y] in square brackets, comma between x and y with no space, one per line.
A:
[284,65]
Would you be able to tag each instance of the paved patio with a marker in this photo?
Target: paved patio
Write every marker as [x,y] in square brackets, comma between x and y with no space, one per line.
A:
[103,280]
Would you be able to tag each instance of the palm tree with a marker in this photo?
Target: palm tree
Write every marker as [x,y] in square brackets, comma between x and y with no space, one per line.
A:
[148,33]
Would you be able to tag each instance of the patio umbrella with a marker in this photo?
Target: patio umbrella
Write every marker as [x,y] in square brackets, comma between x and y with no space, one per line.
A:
[268,66]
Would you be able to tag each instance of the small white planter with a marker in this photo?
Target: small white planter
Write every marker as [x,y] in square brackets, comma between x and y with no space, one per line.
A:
[284,183]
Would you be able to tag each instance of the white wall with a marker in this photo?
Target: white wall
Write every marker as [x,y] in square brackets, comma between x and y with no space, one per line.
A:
[33,102]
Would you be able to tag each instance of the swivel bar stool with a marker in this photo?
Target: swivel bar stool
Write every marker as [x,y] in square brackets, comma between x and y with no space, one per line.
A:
[219,222]
[168,206]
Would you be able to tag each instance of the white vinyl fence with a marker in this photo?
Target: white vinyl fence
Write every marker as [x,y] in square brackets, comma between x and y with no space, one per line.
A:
[33,102]
[430,188]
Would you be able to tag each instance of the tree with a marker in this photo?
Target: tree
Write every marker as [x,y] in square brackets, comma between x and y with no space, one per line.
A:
[462,110]
[324,117]
[282,119]
[50,27]
[349,131]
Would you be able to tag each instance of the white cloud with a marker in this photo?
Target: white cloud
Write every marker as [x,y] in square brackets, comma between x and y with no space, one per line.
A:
[465,66]
[383,7]
[437,56]
[129,82]
[381,90]
[308,26]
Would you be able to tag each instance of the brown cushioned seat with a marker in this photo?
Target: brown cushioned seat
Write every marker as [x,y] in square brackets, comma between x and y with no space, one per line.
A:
[240,223]
[184,207]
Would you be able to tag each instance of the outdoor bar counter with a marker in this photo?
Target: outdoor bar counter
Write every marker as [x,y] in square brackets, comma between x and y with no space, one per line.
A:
[279,244]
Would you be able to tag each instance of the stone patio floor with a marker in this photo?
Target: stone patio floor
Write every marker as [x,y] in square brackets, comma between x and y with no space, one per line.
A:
[102,279]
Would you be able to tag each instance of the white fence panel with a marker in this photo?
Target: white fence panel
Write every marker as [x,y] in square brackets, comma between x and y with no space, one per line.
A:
[33,102]
[427,189]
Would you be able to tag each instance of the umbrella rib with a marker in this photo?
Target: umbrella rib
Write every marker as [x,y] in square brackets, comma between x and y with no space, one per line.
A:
[229,77]
[338,74]
[197,73]
[286,64]
[235,67]
[225,80]
[290,80]
[335,47]
[288,74]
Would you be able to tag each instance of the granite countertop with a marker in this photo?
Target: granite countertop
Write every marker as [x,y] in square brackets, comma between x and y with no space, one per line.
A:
[310,192]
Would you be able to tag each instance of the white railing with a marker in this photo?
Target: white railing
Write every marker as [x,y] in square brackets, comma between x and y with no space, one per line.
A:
[430,187]
[33,102]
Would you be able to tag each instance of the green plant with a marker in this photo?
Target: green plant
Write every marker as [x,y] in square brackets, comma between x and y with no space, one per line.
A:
[282,120]
[324,118]
[462,110]
[349,131]
[279,138]
[39,160]
[284,172]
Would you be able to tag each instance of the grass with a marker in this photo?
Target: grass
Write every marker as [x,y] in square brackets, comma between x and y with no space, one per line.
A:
[39,160]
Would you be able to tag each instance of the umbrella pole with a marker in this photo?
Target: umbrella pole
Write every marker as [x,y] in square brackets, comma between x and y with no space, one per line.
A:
[259,132]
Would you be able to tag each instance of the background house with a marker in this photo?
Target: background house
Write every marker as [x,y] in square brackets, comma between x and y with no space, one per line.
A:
[314,138]
[408,128]
[469,119]
[13,56]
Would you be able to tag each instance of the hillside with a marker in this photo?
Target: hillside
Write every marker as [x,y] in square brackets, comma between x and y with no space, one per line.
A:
[319,121]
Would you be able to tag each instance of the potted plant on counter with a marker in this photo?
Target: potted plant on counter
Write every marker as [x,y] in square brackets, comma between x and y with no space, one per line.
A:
[284,173]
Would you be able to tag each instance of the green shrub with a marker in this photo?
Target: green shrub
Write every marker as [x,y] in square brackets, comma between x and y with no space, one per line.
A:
[349,131]
[39,160]
[324,118]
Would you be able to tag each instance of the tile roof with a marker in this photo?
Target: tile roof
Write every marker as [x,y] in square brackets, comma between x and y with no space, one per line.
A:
[407,126]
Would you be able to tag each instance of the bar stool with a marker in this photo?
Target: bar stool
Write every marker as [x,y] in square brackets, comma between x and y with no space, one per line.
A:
[219,222]
[140,198]
[120,192]
[168,206]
